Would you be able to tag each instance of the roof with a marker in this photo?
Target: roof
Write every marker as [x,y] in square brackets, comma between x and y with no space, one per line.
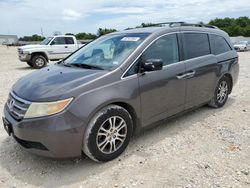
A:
[188,27]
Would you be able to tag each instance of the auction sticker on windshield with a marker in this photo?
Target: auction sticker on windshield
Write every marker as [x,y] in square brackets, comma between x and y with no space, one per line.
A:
[130,39]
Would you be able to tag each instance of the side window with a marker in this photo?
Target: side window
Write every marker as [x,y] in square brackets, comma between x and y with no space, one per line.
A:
[219,44]
[165,48]
[196,45]
[59,41]
[69,40]
[134,69]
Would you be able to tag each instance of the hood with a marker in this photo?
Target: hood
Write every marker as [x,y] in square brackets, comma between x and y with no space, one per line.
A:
[32,46]
[51,83]
[239,45]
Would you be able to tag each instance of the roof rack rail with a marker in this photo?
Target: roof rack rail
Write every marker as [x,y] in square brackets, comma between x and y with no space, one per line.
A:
[178,24]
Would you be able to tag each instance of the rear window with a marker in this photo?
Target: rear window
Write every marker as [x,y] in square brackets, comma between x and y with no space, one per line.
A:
[69,40]
[219,45]
[196,45]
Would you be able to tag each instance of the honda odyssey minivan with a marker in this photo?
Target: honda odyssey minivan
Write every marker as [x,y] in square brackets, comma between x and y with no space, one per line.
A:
[93,101]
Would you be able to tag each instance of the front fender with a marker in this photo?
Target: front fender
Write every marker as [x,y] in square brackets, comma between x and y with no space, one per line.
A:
[86,105]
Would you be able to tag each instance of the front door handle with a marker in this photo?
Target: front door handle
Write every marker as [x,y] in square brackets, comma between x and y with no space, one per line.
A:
[66,46]
[181,76]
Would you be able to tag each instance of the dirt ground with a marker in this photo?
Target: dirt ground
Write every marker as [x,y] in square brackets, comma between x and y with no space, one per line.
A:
[204,148]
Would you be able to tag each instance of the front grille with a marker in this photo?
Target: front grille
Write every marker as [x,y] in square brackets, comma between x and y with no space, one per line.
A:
[17,107]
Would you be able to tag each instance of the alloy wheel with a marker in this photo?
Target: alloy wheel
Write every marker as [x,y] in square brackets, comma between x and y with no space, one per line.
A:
[222,92]
[39,62]
[111,134]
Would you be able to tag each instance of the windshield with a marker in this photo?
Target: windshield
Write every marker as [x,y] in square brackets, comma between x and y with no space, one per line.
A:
[46,41]
[107,52]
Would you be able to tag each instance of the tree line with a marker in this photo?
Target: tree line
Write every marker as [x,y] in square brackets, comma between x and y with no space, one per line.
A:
[233,26]
[79,36]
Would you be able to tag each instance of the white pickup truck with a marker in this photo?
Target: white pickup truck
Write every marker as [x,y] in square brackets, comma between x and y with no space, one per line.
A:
[52,48]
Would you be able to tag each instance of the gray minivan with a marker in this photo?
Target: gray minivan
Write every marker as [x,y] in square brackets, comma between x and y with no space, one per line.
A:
[93,101]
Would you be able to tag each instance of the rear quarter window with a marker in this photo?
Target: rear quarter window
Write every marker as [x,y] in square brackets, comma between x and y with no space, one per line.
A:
[196,45]
[69,40]
[219,44]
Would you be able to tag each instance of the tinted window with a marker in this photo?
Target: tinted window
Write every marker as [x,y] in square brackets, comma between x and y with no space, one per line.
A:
[59,40]
[134,69]
[69,40]
[165,48]
[219,45]
[196,45]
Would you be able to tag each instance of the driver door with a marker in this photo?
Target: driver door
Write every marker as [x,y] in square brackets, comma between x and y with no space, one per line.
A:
[163,92]
[59,49]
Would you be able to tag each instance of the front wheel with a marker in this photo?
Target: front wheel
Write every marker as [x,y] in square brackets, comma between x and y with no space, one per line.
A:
[108,133]
[38,61]
[221,93]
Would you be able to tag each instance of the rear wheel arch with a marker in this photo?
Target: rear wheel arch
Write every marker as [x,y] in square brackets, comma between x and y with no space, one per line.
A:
[222,90]
[229,76]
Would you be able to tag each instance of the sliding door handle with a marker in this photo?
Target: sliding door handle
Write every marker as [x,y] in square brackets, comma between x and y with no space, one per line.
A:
[190,74]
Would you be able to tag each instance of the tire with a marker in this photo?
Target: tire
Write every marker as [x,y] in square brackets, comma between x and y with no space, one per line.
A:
[221,93]
[99,137]
[29,63]
[38,61]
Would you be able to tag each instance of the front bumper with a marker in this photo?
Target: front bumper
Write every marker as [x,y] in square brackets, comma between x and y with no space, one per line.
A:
[24,57]
[57,136]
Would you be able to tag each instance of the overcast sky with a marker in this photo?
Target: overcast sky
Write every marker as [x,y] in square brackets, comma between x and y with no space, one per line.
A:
[27,17]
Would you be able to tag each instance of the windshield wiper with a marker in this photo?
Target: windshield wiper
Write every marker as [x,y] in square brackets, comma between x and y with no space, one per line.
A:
[86,66]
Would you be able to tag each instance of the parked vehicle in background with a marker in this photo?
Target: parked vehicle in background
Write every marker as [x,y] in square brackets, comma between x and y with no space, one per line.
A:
[98,97]
[52,48]
[242,46]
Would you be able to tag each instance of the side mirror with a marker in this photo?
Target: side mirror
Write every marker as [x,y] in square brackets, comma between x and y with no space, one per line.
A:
[52,43]
[152,65]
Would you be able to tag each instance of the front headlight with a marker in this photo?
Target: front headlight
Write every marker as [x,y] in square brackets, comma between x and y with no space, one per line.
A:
[46,108]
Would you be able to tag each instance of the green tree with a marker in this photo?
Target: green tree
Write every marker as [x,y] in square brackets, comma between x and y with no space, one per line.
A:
[234,27]
[242,21]
[247,31]
[105,31]
[85,36]
[32,38]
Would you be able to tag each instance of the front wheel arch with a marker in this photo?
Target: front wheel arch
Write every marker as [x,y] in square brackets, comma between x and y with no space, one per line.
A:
[127,106]
[40,53]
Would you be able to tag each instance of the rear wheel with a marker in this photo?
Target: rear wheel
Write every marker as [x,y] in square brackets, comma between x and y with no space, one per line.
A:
[108,133]
[38,61]
[221,93]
